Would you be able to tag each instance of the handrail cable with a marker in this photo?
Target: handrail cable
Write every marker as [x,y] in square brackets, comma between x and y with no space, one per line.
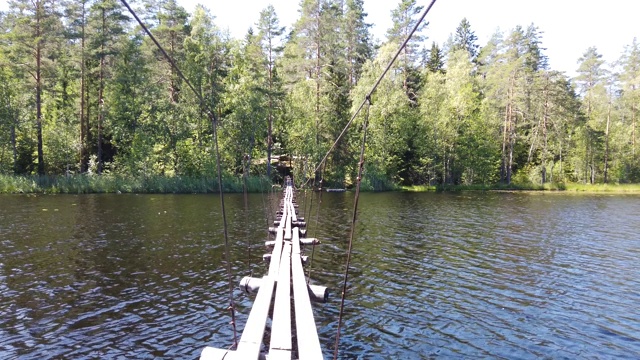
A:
[375,86]
[307,218]
[214,124]
[306,195]
[315,230]
[366,100]
[353,226]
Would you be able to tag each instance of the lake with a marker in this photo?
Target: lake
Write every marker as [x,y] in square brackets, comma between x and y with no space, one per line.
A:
[466,275]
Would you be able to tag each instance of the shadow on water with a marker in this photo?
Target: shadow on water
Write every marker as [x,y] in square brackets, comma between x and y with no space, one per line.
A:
[488,275]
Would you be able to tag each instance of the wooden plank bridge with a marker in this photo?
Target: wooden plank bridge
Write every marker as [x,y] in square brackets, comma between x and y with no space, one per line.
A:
[284,279]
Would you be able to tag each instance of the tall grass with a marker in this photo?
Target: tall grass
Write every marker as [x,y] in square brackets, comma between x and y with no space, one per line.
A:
[85,184]
[569,187]
[608,188]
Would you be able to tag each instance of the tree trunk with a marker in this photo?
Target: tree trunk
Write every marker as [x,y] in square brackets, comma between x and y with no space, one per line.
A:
[606,144]
[100,97]
[511,144]
[173,87]
[561,173]
[510,167]
[89,137]
[633,130]
[39,89]
[503,167]
[84,122]
[14,145]
[318,77]
[270,117]
[593,169]
[545,116]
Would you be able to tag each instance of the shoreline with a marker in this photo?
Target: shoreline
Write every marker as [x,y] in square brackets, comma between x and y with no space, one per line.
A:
[94,184]
[547,188]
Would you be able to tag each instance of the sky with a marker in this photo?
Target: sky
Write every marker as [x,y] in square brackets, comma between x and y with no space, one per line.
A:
[569,26]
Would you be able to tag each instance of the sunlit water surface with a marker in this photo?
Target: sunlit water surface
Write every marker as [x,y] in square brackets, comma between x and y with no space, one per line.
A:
[471,275]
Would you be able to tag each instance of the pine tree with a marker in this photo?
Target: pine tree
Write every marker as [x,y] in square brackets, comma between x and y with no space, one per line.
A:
[8,112]
[270,33]
[35,24]
[78,13]
[171,32]
[129,112]
[357,38]
[405,17]
[170,28]
[630,82]
[315,46]
[308,41]
[107,23]
[465,39]
[590,81]
[435,63]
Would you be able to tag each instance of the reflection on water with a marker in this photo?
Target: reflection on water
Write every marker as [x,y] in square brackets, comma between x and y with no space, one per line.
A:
[478,275]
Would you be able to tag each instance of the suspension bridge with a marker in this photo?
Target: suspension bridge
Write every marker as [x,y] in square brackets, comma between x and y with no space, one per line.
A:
[293,329]
[285,276]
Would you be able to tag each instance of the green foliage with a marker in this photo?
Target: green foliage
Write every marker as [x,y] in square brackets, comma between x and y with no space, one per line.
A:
[465,39]
[87,184]
[88,93]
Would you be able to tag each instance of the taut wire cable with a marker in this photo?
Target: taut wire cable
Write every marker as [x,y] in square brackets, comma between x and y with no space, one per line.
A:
[353,226]
[375,86]
[214,124]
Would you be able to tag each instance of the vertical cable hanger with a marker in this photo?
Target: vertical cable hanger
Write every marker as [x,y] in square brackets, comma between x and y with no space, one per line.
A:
[366,101]
[353,224]
[315,230]
[214,124]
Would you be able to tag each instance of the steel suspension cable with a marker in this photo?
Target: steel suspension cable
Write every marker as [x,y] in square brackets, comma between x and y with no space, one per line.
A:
[214,124]
[306,195]
[353,226]
[315,230]
[211,113]
[375,86]
[367,100]
[307,217]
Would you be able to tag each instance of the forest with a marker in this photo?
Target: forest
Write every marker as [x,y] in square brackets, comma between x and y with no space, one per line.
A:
[85,93]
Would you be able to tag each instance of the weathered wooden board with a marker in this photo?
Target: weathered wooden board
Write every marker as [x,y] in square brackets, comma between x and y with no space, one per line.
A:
[307,333]
[251,340]
[276,254]
[281,324]
[285,273]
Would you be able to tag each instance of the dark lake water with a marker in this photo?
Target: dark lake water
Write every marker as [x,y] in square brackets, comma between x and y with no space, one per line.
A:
[471,275]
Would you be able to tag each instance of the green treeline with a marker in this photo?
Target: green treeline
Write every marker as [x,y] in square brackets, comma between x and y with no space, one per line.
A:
[84,91]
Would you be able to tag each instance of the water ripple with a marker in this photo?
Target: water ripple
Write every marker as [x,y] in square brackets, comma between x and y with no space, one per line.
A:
[479,275]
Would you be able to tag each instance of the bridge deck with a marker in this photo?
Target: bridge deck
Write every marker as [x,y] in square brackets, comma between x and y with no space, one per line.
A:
[285,273]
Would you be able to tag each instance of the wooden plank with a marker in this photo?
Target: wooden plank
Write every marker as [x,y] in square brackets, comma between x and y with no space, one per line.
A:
[308,342]
[283,219]
[287,229]
[276,254]
[281,324]
[296,248]
[285,269]
[294,217]
[276,354]
[251,340]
